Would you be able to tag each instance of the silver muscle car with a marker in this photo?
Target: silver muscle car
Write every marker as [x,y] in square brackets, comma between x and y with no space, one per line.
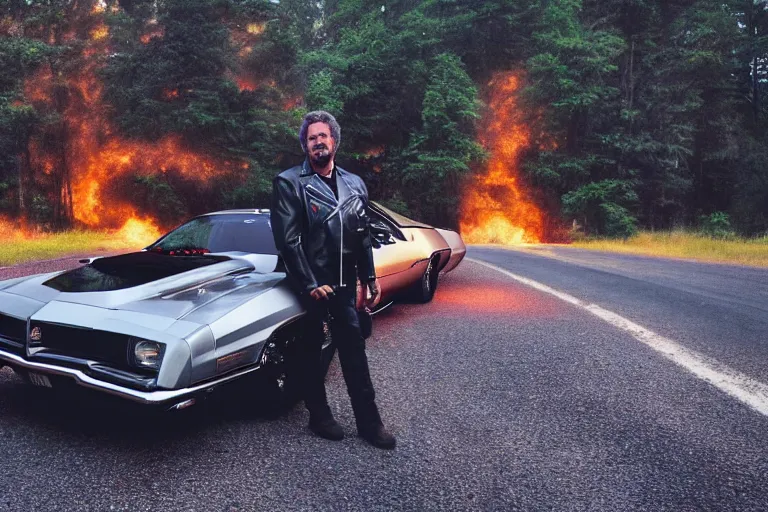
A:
[205,305]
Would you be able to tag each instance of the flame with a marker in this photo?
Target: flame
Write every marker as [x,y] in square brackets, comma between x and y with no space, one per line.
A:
[84,158]
[153,31]
[255,28]
[119,157]
[291,103]
[246,83]
[374,152]
[496,208]
[138,231]
[9,229]
[99,33]
[243,41]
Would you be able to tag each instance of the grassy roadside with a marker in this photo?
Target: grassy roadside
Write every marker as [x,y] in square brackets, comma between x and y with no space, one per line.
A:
[675,244]
[49,246]
[687,245]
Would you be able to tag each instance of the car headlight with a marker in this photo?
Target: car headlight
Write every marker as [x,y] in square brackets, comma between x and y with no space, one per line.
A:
[148,354]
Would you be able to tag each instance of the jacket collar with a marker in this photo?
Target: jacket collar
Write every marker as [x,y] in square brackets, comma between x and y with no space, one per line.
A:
[306,169]
[341,184]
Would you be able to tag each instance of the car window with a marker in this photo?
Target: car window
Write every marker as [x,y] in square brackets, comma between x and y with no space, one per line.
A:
[399,220]
[381,224]
[383,232]
[221,233]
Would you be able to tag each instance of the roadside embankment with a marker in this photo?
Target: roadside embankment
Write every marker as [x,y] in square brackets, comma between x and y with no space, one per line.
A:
[21,249]
[687,245]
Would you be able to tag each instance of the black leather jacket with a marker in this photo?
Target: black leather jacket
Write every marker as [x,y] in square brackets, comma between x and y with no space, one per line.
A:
[318,236]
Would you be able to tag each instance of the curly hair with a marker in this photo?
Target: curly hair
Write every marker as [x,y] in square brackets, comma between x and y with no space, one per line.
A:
[319,116]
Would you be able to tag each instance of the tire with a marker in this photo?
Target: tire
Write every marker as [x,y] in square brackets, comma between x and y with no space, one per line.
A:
[277,388]
[279,382]
[424,290]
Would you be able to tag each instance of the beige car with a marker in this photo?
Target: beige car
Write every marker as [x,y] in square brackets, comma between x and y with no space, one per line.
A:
[409,255]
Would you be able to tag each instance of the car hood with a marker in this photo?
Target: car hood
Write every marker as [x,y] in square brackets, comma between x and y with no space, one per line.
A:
[168,286]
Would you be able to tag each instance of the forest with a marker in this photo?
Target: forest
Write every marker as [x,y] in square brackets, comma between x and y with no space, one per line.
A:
[512,120]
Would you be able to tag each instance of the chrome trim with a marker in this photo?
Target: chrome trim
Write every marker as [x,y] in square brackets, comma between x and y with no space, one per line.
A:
[381,308]
[436,253]
[143,397]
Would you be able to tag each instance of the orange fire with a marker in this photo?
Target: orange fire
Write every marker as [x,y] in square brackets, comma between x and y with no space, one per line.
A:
[9,230]
[153,31]
[243,39]
[138,231]
[495,207]
[255,28]
[99,7]
[93,165]
[100,32]
[246,83]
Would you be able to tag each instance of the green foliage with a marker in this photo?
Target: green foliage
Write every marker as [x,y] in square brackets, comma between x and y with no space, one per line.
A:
[154,194]
[717,225]
[602,207]
[41,211]
[254,193]
[396,80]
[19,58]
[186,66]
[438,158]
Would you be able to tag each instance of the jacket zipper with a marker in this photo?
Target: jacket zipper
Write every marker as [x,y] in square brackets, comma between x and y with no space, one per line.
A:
[341,250]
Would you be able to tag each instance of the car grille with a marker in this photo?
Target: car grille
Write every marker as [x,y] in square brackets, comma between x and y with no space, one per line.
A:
[13,329]
[90,344]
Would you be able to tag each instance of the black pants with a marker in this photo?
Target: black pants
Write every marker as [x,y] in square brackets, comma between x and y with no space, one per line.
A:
[345,331]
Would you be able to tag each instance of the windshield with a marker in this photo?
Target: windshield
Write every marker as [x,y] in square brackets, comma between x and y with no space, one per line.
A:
[220,233]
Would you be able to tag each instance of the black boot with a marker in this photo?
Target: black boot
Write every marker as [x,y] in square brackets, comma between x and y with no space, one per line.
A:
[370,426]
[379,437]
[326,427]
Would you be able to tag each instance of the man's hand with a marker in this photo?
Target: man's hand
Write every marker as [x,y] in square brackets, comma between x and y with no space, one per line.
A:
[321,292]
[373,295]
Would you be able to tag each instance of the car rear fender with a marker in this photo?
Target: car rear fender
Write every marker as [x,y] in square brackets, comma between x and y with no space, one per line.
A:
[457,246]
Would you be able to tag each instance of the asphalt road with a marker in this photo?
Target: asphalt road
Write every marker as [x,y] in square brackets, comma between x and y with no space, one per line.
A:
[502,398]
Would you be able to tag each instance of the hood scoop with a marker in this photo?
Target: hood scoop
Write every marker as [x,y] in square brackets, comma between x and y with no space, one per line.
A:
[127,271]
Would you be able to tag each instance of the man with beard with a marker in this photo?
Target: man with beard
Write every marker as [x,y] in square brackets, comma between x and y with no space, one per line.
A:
[321,229]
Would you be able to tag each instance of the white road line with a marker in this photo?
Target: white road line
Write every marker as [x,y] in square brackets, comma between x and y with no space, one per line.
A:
[746,389]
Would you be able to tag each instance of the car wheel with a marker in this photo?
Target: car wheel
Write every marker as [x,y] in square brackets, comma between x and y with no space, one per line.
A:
[278,386]
[424,290]
[279,373]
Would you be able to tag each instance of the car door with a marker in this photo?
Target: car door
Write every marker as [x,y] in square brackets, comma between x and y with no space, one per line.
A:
[394,254]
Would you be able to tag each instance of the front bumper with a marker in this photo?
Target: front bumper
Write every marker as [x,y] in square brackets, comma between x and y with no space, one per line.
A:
[157,397]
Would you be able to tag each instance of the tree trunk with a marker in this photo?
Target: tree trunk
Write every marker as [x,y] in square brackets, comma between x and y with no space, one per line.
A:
[755,89]
[25,171]
[20,171]
[631,82]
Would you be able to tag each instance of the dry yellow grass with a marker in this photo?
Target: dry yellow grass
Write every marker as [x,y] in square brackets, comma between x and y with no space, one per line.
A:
[676,244]
[17,249]
[682,244]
